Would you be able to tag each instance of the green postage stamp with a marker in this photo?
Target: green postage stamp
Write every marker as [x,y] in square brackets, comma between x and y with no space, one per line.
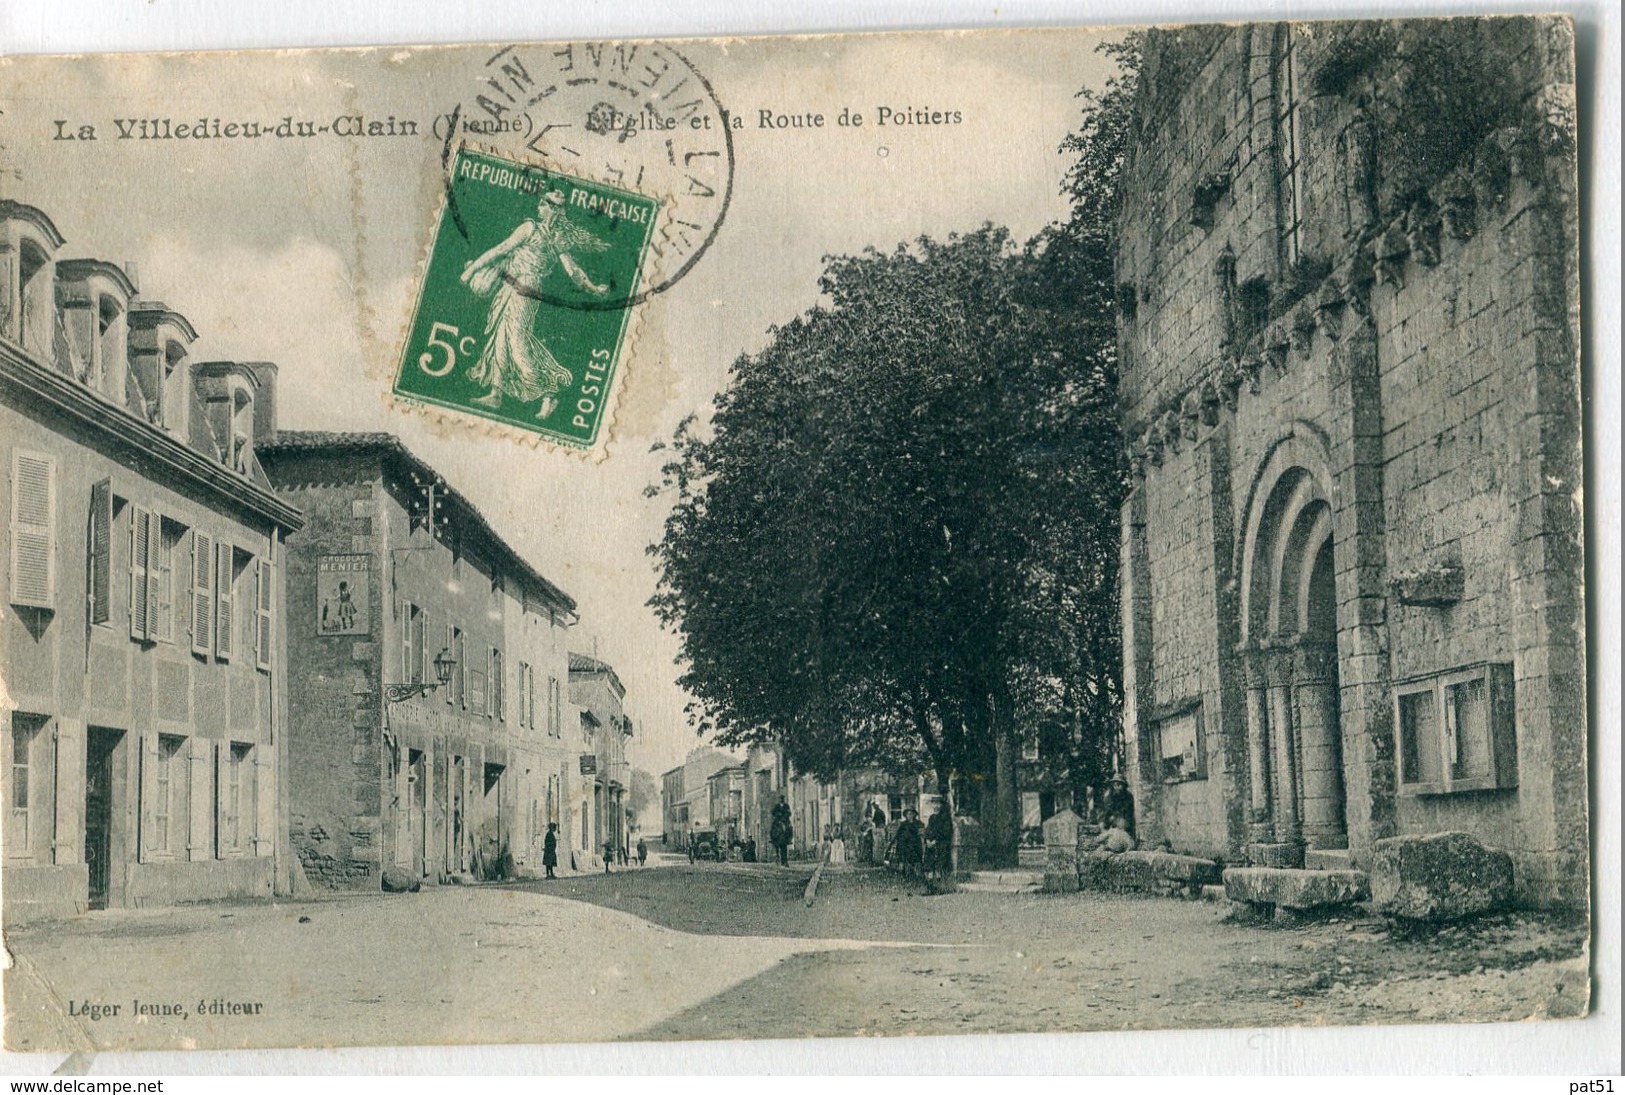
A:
[523,308]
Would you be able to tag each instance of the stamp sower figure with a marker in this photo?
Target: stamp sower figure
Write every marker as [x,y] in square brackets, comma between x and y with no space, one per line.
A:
[515,362]
[910,844]
[550,848]
[780,832]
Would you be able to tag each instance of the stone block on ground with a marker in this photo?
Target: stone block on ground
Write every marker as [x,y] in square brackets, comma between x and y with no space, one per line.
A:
[1182,870]
[399,880]
[1295,889]
[1439,876]
[1146,872]
[1124,872]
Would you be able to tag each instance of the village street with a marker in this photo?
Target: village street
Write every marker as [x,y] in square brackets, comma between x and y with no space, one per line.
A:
[731,951]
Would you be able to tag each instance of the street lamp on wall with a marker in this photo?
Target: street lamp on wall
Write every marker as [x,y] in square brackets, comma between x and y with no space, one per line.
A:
[444,663]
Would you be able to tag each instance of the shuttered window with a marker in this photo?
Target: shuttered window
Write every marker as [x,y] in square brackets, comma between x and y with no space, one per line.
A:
[226,605]
[410,671]
[264,577]
[33,530]
[203,562]
[99,577]
[162,539]
[141,521]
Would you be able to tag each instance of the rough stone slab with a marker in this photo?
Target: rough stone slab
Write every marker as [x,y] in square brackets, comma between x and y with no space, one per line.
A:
[1187,870]
[1061,881]
[1438,876]
[399,880]
[1275,855]
[1120,873]
[1295,889]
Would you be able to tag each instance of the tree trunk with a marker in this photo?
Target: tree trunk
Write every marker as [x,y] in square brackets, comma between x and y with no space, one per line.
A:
[1006,827]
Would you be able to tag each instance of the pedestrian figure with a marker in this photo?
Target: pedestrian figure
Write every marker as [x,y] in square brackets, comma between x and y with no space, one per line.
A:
[1119,802]
[609,854]
[643,852]
[780,832]
[692,853]
[550,848]
[909,844]
[939,850]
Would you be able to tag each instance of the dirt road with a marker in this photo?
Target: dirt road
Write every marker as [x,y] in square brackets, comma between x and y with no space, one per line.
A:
[732,951]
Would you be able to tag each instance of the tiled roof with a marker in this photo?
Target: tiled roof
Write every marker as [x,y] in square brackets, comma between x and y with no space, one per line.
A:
[290,442]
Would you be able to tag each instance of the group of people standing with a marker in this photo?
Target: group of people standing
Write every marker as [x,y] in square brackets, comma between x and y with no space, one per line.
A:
[922,852]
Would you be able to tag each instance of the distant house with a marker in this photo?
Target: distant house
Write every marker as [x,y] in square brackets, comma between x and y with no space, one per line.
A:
[685,793]
[597,692]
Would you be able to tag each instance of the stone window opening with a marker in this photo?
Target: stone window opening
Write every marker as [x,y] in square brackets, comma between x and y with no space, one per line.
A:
[171,797]
[164,563]
[1252,309]
[497,706]
[236,807]
[19,830]
[1456,731]
[1288,126]
[110,342]
[1182,743]
[173,404]
[36,312]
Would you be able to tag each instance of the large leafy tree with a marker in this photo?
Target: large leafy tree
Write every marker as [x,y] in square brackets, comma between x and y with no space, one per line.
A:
[895,542]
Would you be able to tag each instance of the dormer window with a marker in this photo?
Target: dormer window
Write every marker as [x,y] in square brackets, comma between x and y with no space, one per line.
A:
[28,246]
[34,326]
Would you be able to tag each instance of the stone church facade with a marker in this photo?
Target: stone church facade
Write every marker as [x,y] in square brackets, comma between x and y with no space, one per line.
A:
[1349,347]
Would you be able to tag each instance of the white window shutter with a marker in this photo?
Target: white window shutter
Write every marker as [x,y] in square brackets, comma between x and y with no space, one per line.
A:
[408,660]
[140,559]
[264,586]
[222,789]
[33,530]
[149,797]
[160,613]
[225,617]
[202,591]
[99,580]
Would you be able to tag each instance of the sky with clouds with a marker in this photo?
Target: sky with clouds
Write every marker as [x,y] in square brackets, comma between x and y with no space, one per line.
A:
[306,253]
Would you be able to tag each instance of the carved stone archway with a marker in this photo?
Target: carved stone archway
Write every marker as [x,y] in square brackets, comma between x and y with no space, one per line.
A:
[1289,651]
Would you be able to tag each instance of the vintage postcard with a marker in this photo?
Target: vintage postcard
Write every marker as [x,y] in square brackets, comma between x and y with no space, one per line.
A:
[971,532]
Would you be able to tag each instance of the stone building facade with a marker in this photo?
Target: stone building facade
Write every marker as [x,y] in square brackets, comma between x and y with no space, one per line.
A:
[1348,342]
[391,772]
[599,696]
[143,701]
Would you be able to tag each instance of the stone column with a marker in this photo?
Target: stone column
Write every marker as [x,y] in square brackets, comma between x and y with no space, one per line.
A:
[1288,823]
[1259,828]
[1314,686]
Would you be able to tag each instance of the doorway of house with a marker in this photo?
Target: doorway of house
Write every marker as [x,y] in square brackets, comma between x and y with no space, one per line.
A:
[417,814]
[99,751]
